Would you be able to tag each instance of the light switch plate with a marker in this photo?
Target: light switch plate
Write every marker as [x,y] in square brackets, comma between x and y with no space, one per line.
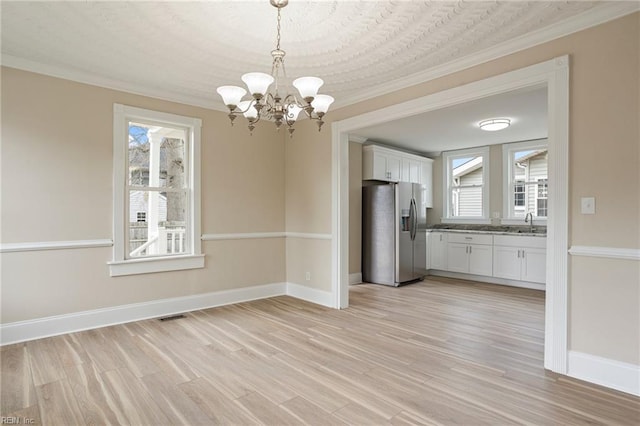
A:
[588,205]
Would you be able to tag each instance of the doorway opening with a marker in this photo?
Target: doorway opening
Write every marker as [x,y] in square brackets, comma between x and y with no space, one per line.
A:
[554,74]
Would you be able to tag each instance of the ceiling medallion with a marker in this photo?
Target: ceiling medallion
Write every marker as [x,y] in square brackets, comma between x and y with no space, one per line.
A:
[268,103]
[494,124]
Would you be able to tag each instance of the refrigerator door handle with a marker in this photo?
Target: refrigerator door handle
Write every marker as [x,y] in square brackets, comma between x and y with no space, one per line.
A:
[413,219]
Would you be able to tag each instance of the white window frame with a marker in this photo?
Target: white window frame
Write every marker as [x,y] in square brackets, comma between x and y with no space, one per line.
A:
[508,151]
[447,158]
[194,258]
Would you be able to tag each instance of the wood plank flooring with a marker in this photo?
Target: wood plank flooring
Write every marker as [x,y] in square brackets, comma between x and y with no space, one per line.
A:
[439,352]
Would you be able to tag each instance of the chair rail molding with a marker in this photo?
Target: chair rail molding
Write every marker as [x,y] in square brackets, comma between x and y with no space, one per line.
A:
[54,245]
[605,252]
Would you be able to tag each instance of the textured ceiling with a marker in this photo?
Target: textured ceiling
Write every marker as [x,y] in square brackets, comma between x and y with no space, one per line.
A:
[184,50]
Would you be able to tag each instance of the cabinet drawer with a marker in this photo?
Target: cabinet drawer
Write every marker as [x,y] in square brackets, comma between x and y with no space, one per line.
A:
[520,241]
[470,238]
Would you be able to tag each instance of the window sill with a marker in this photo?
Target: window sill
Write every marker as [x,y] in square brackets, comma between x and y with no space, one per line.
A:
[155,264]
[470,221]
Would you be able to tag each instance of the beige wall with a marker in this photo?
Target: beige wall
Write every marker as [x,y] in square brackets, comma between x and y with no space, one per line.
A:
[604,163]
[50,145]
[57,186]
[308,199]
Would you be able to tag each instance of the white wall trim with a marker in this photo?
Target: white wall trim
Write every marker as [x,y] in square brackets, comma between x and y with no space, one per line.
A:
[554,74]
[487,279]
[257,235]
[309,236]
[54,245]
[606,252]
[76,244]
[242,236]
[606,372]
[313,295]
[355,278]
[61,324]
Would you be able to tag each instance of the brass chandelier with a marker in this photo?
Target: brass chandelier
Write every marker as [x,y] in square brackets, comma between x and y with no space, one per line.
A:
[268,103]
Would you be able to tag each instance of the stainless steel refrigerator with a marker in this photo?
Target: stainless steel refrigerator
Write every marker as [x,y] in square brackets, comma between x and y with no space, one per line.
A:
[393,251]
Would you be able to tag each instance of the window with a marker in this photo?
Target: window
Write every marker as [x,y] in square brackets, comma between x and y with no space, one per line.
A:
[466,192]
[156,192]
[519,195]
[541,198]
[525,180]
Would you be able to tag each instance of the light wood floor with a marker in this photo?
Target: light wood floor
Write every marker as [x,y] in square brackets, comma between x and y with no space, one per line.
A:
[438,352]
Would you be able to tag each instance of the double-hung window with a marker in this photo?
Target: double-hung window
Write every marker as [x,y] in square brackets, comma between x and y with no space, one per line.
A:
[156,192]
[525,183]
[466,185]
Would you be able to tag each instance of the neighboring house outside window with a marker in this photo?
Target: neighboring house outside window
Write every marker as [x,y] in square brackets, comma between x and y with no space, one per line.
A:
[519,195]
[466,177]
[156,185]
[541,197]
[525,170]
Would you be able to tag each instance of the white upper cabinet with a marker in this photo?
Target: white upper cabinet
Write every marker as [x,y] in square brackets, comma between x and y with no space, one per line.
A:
[379,163]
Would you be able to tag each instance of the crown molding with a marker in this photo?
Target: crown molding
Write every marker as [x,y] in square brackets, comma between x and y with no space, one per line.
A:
[598,15]
[83,77]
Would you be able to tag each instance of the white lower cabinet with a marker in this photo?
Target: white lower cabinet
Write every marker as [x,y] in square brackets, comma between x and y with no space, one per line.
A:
[437,250]
[520,258]
[470,254]
[508,257]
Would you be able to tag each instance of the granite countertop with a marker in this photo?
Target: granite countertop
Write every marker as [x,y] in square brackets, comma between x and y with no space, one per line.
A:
[538,231]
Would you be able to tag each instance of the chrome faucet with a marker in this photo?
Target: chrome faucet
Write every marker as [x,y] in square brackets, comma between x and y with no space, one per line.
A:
[529,219]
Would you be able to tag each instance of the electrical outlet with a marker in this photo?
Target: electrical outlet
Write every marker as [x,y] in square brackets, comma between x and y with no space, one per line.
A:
[588,205]
[307,276]
[496,215]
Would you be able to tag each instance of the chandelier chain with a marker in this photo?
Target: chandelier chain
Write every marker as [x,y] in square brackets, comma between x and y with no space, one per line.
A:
[278,37]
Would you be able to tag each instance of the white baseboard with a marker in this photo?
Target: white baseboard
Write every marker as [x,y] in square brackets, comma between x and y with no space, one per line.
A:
[605,372]
[320,297]
[489,280]
[355,278]
[61,324]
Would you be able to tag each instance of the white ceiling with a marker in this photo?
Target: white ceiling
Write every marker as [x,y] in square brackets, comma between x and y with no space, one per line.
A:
[182,51]
[456,127]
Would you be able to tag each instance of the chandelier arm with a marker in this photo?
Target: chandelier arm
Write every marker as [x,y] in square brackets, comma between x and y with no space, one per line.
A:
[238,110]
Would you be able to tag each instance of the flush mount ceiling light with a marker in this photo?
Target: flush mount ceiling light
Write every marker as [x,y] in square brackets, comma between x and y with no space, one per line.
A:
[269,104]
[494,124]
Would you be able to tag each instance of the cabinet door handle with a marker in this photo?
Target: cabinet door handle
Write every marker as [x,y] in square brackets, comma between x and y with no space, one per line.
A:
[470,249]
[518,254]
[523,254]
